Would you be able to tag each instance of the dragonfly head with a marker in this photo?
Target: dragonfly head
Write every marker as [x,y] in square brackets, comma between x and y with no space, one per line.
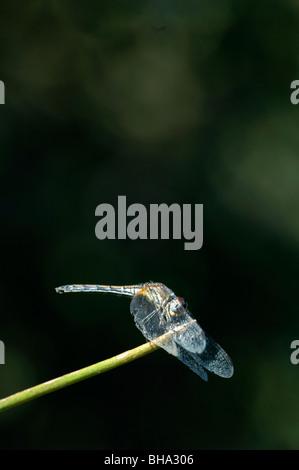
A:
[177,307]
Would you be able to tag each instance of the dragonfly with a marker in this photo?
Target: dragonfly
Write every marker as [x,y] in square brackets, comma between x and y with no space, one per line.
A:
[158,311]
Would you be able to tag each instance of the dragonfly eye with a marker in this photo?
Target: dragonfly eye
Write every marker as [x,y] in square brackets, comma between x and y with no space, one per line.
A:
[182,302]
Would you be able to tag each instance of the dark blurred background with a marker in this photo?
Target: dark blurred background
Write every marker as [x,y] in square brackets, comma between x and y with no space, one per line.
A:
[161,101]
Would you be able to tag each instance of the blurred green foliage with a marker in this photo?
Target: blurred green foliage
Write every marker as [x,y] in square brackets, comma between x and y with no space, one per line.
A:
[171,101]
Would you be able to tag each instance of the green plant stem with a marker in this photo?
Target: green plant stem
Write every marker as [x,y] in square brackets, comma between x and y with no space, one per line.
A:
[79,375]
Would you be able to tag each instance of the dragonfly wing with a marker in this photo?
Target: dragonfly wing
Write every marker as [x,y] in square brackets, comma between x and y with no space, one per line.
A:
[188,334]
[151,324]
[215,359]
[192,361]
